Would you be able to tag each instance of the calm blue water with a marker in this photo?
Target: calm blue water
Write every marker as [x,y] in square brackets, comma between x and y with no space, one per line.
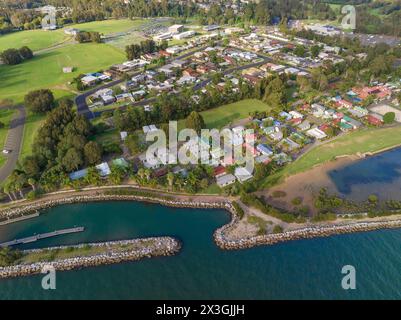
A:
[379,174]
[309,269]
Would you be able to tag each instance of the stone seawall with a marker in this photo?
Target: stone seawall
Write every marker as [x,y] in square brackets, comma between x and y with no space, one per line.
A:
[219,235]
[149,247]
[299,234]
[12,213]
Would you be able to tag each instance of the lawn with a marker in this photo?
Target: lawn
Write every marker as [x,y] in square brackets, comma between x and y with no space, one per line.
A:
[45,70]
[109,26]
[362,141]
[34,39]
[220,117]
[32,125]
[6,115]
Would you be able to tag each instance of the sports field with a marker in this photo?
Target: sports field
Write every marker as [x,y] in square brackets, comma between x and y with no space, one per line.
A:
[109,26]
[45,70]
[39,39]
[34,39]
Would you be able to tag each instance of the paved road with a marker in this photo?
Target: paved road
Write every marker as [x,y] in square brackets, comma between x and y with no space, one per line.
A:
[83,108]
[13,143]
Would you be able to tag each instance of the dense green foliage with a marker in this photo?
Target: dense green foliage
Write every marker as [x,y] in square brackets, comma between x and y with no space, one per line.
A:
[134,51]
[84,36]
[61,146]
[16,56]
[40,101]
[195,121]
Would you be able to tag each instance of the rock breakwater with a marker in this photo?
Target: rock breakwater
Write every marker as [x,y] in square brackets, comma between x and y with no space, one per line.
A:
[136,249]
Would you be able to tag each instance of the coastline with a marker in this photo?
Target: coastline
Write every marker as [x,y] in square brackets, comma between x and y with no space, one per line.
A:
[307,183]
[222,240]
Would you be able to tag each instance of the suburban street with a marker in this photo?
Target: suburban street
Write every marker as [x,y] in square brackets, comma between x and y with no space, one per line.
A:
[83,108]
[13,143]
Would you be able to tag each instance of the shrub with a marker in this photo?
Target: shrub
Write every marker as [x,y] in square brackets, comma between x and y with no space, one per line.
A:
[279,194]
[277,229]
[296,201]
[389,117]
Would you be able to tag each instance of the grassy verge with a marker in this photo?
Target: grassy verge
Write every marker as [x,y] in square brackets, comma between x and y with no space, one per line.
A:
[6,115]
[32,125]
[362,141]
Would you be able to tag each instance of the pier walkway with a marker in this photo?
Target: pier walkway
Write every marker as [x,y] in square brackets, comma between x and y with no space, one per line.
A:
[42,236]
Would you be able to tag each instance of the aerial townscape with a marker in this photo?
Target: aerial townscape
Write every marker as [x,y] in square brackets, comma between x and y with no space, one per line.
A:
[313,102]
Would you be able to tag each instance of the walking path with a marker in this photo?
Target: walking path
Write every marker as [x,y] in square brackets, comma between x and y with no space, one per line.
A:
[42,236]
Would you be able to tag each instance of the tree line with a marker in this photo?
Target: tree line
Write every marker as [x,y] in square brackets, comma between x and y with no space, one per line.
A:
[62,145]
[134,51]
[16,56]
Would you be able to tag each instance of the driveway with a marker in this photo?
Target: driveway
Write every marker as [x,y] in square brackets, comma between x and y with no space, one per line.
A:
[13,143]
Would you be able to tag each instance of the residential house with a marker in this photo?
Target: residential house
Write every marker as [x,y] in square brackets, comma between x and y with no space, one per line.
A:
[225,180]
[304,125]
[316,133]
[264,149]
[243,174]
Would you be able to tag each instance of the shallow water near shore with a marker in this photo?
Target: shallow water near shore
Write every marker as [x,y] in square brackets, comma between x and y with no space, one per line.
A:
[379,174]
[306,269]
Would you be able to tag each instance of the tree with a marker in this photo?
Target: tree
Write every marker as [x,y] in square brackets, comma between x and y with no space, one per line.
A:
[170,179]
[72,160]
[300,51]
[32,183]
[40,101]
[6,190]
[26,53]
[93,153]
[117,174]
[93,177]
[389,117]
[195,121]
[11,57]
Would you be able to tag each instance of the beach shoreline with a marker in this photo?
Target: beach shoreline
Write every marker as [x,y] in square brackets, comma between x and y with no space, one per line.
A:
[307,184]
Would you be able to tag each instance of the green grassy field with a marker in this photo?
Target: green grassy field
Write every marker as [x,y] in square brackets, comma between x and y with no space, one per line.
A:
[45,70]
[39,39]
[362,141]
[34,39]
[222,116]
[6,115]
[108,26]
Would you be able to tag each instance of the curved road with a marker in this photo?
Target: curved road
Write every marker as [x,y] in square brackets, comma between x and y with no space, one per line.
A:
[13,143]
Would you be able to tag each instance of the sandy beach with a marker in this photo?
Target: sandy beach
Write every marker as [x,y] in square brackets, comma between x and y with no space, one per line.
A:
[306,185]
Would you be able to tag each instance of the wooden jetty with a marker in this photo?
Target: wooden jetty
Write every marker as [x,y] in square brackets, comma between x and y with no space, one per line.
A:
[37,237]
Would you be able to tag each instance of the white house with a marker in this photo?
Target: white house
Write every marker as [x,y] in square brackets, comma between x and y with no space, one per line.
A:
[225,180]
[316,133]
